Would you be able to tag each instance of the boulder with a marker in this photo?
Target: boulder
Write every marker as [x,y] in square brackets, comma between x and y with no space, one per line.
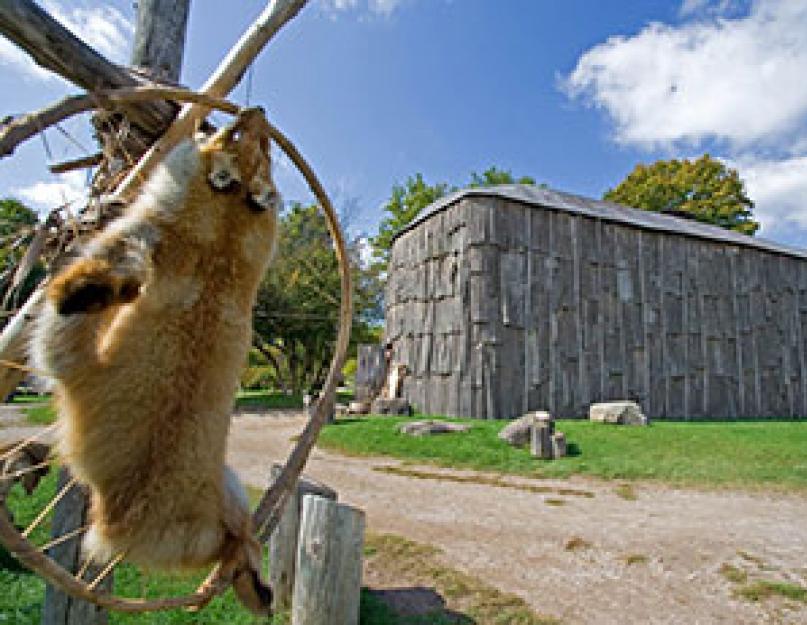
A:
[541,440]
[397,406]
[358,407]
[617,413]
[517,433]
[424,428]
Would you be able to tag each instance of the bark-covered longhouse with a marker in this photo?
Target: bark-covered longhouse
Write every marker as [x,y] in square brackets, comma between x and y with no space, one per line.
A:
[516,298]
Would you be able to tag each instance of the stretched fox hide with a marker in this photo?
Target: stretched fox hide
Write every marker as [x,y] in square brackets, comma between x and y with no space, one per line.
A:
[145,335]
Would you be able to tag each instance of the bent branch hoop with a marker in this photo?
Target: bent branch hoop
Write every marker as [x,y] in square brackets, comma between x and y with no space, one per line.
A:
[270,507]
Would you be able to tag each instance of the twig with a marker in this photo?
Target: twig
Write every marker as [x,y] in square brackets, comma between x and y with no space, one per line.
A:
[84,162]
[107,570]
[63,538]
[51,505]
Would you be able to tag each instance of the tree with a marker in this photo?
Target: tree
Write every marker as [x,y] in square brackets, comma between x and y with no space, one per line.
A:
[494,176]
[405,203]
[409,199]
[297,310]
[704,189]
[17,225]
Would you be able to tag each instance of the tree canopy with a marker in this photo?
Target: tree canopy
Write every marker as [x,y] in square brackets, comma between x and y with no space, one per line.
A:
[409,199]
[297,311]
[704,189]
[17,224]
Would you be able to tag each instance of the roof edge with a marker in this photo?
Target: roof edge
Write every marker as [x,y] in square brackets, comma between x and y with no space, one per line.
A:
[536,196]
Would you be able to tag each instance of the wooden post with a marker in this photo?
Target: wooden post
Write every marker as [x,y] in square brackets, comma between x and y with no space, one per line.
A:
[160,38]
[329,562]
[370,372]
[283,542]
[541,440]
[60,608]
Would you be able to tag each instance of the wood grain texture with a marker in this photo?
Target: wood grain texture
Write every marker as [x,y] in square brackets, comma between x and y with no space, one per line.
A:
[561,309]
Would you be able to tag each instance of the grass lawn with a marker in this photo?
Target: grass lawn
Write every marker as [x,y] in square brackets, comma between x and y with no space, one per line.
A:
[273,400]
[22,593]
[762,454]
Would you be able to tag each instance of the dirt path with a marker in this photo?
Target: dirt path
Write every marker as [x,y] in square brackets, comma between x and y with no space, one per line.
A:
[655,559]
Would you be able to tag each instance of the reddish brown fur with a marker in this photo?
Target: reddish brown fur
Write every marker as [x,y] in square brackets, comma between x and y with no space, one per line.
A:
[146,371]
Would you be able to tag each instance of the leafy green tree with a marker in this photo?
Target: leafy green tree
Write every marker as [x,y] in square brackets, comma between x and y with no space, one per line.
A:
[405,203]
[17,225]
[494,176]
[703,189]
[409,199]
[297,310]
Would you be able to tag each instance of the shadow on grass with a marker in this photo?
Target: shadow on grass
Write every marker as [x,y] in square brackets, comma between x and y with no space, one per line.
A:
[573,449]
[419,605]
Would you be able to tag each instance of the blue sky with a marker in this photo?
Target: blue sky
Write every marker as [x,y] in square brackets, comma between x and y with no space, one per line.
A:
[572,93]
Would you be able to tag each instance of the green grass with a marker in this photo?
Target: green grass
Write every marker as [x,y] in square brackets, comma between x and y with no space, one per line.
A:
[40,414]
[762,454]
[29,399]
[22,593]
[765,589]
[275,400]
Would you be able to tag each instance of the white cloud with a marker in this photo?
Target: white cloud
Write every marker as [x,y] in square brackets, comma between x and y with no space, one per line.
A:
[378,7]
[104,28]
[47,195]
[11,56]
[738,80]
[779,191]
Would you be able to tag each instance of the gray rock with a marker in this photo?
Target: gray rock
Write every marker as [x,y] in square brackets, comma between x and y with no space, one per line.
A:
[517,433]
[397,406]
[424,428]
[358,407]
[617,413]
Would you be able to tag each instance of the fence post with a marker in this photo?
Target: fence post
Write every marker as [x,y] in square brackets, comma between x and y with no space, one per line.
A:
[283,542]
[327,585]
[59,608]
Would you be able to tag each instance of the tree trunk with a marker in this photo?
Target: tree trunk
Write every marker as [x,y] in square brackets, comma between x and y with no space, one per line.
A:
[160,38]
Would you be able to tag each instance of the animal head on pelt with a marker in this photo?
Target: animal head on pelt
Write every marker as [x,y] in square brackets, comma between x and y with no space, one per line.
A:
[145,335]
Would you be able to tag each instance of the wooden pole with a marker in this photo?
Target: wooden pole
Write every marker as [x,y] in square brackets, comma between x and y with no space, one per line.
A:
[59,607]
[159,41]
[283,541]
[327,586]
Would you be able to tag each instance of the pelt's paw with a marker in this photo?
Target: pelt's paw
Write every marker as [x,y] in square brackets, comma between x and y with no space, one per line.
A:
[90,286]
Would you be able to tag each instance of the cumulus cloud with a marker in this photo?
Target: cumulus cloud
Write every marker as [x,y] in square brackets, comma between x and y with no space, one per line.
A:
[104,28]
[779,190]
[44,196]
[378,7]
[738,80]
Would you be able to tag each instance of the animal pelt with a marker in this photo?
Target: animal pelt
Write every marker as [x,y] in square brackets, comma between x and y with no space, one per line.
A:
[145,335]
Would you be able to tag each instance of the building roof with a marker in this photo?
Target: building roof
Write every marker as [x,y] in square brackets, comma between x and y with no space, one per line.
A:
[540,197]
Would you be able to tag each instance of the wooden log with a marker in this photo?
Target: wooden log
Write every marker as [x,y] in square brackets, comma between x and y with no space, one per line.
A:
[159,40]
[283,542]
[59,607]
[329,563]
[558,445]
[541,440]
[371,371]
[55,48]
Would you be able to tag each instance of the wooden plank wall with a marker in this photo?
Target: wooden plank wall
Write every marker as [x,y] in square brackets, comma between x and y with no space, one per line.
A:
[499,308]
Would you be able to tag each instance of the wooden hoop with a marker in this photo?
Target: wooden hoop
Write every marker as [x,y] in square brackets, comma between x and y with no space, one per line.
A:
[270,507]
